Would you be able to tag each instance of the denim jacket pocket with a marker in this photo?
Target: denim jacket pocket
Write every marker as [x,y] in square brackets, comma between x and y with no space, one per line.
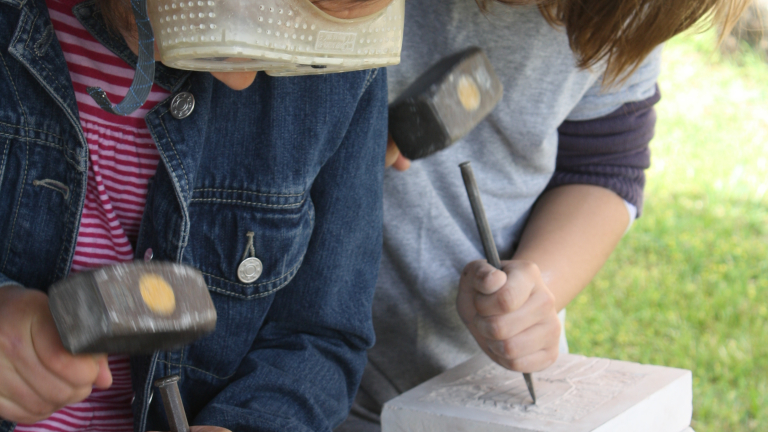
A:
[229,226]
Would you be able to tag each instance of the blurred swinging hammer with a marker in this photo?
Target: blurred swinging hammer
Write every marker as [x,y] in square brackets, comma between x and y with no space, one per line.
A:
[135,308]
[444,104]
[132,308]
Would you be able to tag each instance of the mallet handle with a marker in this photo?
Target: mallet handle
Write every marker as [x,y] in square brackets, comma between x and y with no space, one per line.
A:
[174,409]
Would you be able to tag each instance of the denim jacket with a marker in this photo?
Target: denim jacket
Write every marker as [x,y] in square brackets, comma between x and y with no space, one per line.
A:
[296,160]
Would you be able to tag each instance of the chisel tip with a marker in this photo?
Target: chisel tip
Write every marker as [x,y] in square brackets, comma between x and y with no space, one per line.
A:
[529,383]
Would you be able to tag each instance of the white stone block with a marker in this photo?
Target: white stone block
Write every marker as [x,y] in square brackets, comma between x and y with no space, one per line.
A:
[576,394]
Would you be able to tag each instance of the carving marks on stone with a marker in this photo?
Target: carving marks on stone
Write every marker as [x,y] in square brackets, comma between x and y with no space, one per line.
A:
[566,392]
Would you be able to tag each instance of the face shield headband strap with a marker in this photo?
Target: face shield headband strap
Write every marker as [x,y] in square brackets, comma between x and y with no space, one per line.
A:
[145,68]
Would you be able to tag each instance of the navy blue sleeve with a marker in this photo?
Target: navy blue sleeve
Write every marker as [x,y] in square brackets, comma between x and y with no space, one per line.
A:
[610,151]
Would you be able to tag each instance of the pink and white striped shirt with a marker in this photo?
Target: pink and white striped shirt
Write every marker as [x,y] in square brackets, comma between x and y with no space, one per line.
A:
[122,158]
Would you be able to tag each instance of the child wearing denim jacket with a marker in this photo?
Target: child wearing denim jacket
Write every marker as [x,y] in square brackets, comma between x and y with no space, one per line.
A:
[286,170]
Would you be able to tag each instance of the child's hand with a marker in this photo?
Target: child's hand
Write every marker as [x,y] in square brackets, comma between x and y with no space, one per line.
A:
[37,375]
[394,158]
[510,313]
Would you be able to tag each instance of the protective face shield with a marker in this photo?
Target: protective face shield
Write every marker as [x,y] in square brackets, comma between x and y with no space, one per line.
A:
[281,37]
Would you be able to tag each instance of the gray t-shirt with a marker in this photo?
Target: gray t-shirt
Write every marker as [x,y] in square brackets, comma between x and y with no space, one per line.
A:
[429,230]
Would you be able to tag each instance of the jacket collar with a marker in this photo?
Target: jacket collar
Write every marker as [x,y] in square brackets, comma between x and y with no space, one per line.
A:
[33,44]
[90,17]
[18,4]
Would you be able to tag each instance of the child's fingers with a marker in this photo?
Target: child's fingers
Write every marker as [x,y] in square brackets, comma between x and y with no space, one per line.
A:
[11,409]
[505,326]
[513,294]
[477,276]
[401,163]
[481,277]
[521,278]
[30,390]
[19,403]
[511,314]
[74,370]
[28,339]
[392,152]
[544,336]
[394,158]
[538,307]
[104,377]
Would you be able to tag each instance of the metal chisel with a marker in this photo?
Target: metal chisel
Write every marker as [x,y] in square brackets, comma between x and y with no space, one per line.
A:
[491,254]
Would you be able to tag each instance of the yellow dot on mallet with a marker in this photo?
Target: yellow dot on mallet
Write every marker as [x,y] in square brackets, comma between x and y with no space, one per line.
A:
[157,294]
[469,94]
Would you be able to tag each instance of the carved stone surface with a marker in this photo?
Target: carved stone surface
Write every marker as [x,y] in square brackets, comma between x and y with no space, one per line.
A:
[575,394]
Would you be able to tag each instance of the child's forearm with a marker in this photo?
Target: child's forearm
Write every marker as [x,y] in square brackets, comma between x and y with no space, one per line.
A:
[570,234]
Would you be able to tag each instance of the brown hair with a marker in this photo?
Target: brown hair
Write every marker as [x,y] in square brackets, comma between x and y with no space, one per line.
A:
[624,32]
[621,32]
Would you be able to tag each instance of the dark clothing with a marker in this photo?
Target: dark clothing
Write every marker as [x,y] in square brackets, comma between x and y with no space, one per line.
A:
[610,151]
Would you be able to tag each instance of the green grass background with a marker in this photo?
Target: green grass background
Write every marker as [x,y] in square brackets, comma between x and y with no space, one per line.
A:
[688,285]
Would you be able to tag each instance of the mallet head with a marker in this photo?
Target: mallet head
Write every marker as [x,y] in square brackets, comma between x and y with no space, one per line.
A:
[445,103]
[132,308]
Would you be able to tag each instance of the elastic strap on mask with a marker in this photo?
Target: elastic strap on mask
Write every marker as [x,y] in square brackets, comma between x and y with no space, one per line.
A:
[145,68]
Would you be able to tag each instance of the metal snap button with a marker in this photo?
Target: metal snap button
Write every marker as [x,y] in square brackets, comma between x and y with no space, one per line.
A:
[148,255]
[249,270]
[182,105]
